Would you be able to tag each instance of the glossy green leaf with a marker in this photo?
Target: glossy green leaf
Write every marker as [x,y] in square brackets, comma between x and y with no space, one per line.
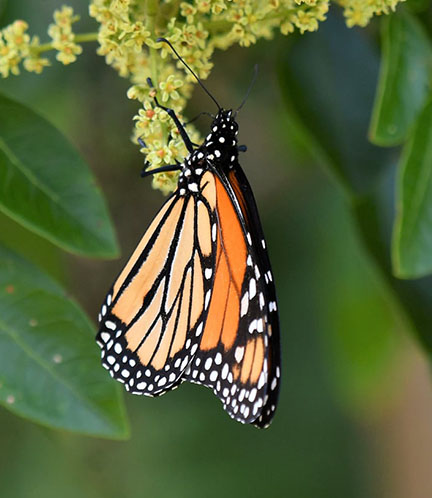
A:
[50,369]
[404,80]
[412,244]
[333,95]
[46,186]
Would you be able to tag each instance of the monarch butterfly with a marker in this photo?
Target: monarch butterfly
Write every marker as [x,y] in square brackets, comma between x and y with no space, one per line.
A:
[196,301]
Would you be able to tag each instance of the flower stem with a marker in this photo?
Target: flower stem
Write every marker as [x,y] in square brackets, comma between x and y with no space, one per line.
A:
[151,11]
[86,37]
[82,38]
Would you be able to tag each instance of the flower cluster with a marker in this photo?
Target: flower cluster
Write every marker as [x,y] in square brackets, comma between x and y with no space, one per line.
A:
[127,34]
[16,45]
[63,39]
[359,12]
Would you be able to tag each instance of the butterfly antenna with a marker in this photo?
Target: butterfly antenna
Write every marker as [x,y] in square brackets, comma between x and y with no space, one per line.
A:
[189,69]
[251,84]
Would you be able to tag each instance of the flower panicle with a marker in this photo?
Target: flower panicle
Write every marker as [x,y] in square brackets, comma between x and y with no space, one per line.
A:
[127,34]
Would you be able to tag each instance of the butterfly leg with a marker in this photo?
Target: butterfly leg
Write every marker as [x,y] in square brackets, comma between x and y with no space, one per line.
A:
[171,113]
[180,127]
[141,142]
[162,169]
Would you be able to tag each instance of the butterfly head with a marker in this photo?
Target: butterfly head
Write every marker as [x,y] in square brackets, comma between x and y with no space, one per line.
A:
[225,122]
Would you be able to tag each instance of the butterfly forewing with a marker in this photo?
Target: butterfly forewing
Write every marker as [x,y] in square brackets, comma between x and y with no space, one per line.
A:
[154,315]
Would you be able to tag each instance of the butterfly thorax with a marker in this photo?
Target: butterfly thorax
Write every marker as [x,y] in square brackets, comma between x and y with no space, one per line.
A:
[219,150]
[220,145]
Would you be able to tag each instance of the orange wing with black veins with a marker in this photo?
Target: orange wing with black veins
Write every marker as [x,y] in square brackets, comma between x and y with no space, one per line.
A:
[154,315]
[234,356]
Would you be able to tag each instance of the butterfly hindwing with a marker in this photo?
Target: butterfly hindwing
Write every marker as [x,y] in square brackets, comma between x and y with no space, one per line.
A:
[238,183]
[235,357]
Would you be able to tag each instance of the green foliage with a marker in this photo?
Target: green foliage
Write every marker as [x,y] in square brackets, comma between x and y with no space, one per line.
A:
[412,249]
[50,366]
[404,82]
[329,101]
[46,186]
[336,114]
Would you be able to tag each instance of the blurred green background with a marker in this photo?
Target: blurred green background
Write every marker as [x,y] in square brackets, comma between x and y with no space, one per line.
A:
[355,412]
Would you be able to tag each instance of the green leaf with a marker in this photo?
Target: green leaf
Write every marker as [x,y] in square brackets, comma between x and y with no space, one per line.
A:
[404,80]
[332,91]
[50,369]
[47,187]
[412,243]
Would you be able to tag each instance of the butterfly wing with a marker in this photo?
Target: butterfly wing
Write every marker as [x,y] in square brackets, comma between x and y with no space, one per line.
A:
[268,301]
[153,316]
[239,354]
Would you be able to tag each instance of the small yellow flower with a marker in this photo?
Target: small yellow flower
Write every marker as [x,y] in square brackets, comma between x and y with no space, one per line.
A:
[67,54]
[165,182]
[137,92]
[158,154]
[287,27]
[194,36]
[64,18]
[203,6]
[15,35]
[169,88]
[188,11]
[33,61]
[148,117]
[218,7]
[305,21]
[135,36]
[35,64]
[120,7]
